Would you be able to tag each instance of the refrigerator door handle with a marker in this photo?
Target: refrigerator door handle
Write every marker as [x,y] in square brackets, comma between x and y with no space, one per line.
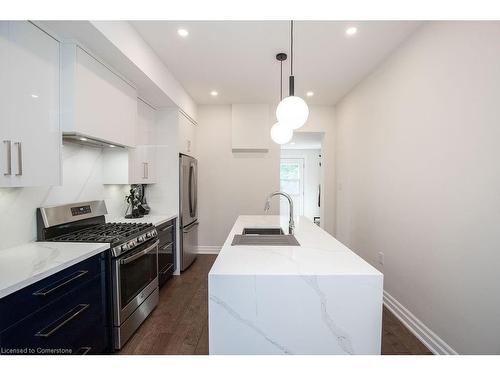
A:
[190,227]
[195,188]
[190,189]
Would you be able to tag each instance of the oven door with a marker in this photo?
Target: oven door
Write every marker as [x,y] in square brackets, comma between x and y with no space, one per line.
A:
[135,277]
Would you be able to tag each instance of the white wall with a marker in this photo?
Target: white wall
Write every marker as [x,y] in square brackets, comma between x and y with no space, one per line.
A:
[230,184]
[311,179]
[82,181]
[418,179]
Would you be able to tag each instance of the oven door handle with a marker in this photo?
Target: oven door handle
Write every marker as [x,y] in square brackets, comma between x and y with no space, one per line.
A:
[139,254]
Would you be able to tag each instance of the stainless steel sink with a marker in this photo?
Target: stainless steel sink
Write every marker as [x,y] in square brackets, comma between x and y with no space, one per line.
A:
[264,237]
[261,231]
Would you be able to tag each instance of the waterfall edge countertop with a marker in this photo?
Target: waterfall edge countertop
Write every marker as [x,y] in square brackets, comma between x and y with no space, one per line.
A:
[316,298]
[153,219]
[318,254]
[23,265]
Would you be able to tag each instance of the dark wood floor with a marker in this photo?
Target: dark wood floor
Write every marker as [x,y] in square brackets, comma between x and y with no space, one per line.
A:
[179,325]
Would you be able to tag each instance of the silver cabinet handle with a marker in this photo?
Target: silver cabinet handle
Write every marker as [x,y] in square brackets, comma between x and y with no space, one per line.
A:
[19,158]
[167,228]
[164,247]
[164,271]
[62,321]
[8,171]
[51,288]
[139,254]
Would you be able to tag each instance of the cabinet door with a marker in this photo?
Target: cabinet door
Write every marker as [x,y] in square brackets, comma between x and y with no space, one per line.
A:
[187,136]
[142,165]
[36,136]
[105,105]
[145,124]
[5,83]
[150,158]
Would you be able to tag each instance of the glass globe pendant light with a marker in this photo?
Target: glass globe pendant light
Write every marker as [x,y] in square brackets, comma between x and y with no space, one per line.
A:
[292,111]
[279,133]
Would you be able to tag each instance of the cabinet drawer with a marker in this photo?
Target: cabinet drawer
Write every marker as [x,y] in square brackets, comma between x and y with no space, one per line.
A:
[166,232]
[36,296]
[74,321]
[165,255]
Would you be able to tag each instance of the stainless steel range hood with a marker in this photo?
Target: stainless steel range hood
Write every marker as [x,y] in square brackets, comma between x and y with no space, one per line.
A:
[86,140]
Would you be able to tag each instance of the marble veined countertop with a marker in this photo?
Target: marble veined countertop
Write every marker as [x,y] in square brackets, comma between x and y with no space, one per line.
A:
[316,298]
[153,219]
[318,254]
[26,264]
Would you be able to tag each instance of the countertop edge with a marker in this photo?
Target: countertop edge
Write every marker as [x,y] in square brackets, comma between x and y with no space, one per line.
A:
[59,267]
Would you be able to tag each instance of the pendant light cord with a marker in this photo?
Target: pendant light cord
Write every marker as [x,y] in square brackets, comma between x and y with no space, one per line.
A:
[281,80]
[291,47]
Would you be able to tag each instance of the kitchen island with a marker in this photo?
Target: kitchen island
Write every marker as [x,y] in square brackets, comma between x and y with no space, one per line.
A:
[316,298]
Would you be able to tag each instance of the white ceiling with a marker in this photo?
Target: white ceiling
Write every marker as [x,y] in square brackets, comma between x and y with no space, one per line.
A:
[237,58]
[304,141]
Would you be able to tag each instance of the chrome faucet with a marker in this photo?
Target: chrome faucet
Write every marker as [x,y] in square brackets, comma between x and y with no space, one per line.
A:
[291,224]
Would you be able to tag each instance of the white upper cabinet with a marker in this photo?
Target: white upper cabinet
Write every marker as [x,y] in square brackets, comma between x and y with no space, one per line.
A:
[96,102]
[187,136]
[146,130]
[6,165]
[250,127]
[30,134]
[135,165]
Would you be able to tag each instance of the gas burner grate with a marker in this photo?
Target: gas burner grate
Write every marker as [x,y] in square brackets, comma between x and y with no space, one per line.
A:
[109,232]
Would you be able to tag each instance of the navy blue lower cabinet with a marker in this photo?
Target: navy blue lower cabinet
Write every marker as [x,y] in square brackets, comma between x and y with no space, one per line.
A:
[166,250]
[76,322]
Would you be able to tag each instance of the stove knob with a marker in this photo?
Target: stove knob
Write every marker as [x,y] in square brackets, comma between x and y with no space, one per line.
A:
[124,247]
[148,235]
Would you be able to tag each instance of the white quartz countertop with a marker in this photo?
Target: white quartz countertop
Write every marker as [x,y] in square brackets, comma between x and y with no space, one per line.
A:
[153,219]
[318,254]
[26,264]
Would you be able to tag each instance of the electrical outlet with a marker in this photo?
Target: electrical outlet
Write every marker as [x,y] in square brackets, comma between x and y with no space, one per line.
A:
[381,258]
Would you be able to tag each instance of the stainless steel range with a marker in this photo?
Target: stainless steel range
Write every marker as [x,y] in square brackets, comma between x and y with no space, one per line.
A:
[134,258]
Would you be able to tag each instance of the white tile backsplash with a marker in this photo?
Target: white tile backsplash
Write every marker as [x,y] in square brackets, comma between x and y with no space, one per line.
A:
[82,181]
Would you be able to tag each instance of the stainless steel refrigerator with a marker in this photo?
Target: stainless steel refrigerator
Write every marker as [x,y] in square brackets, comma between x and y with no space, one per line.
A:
[188,206]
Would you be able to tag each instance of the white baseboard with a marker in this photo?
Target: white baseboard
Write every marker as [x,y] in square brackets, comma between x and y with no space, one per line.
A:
[432,341]
[208,249]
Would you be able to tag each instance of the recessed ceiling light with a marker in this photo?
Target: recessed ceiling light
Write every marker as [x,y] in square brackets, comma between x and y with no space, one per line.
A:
[83,139]
[350,31]
[112,146]
[310,93]
[34,96]
[214,93]
[183,32]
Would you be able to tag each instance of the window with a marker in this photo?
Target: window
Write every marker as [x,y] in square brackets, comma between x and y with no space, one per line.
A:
[292,183]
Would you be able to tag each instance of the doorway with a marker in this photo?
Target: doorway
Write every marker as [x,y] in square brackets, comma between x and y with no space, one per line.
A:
[301,175]
[292,181]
